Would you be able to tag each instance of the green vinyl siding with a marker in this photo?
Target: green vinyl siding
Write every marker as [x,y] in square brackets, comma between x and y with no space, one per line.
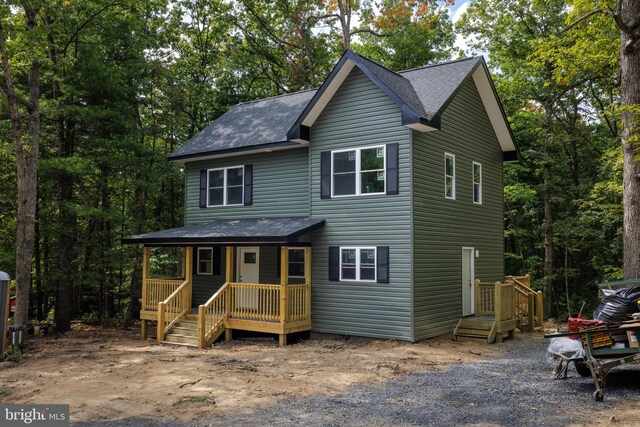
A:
[205,285]
[280,186]
[443,226]
[360,114]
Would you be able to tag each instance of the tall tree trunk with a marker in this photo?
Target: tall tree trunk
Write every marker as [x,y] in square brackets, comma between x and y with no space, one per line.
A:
[67,231]
[549,291]
[630,135]
[26,164]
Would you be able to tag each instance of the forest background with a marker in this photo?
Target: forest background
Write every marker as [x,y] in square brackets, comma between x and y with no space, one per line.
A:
[102,90]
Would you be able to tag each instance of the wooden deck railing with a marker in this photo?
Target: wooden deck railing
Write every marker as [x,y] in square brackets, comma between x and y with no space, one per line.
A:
[495,299]
[528,303]
[172,309]
[154,291]
[255,301]
[299,300]
[211,316]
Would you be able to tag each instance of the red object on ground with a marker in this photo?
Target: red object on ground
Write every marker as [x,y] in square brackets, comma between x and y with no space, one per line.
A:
[578,322]
[12,308]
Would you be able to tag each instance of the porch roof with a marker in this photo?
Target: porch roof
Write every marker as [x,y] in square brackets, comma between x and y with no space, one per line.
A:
[230,231]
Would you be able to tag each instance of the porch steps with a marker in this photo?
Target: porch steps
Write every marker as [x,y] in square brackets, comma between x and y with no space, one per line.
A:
[185,333]
[478,329]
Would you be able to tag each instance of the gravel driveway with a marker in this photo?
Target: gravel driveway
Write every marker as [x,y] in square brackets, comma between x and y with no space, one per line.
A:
[512,390]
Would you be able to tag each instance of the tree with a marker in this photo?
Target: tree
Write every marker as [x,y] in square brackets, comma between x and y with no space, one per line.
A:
[27,149]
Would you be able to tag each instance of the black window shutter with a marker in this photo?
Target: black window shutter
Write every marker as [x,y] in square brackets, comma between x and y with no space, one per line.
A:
[203,188]
[392,169]
[325,175]
[334,263]
[382,267]
[217,260]
[248,185]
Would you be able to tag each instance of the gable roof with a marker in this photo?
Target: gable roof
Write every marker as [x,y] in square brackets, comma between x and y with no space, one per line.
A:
[262,123]
[422,94]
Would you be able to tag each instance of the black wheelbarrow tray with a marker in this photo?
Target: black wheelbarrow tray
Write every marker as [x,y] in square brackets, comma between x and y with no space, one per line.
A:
[598,362]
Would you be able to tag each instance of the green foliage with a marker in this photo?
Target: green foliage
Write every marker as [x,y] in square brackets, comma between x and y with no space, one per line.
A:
[14,354]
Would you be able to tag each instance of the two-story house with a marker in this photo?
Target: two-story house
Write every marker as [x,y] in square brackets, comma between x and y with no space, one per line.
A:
[366,207]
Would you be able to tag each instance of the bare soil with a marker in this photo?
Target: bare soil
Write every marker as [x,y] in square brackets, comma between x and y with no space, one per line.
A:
[107,373]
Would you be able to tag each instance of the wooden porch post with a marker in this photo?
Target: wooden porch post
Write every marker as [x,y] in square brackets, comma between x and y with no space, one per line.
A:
[284,297]
[228,333]
[307,282]
[187,268]
[476,297]
[145,276]
[497,310]
[539,310]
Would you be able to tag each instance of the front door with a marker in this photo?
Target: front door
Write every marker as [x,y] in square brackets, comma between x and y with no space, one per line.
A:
[248,265]
[467,281]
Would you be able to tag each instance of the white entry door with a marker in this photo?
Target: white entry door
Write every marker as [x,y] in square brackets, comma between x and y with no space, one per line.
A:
[467,280]
[248,265]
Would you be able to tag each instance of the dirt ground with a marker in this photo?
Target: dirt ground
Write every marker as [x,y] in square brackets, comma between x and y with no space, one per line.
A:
[106,373]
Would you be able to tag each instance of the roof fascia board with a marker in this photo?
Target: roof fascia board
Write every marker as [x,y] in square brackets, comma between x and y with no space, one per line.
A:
[241,151]
[333,82]
[494,109]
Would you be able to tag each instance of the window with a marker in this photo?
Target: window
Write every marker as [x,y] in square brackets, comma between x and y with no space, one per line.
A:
[225,186]
[358,172]
[449,176]
[477,183]
[296,263]
[358,264]
[205,260]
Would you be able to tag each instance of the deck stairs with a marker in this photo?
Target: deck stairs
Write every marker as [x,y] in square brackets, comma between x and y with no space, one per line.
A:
[476,328]
[186,332]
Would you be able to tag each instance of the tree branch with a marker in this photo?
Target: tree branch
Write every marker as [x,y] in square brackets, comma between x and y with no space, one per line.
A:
[587,16]
[369,31]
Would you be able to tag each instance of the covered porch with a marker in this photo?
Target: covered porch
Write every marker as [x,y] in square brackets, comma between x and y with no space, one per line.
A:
[227,263]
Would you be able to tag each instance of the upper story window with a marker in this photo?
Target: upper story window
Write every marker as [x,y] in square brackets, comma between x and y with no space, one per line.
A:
[205,260]
[477,183]
[358,171]
[449,176]
[225,186]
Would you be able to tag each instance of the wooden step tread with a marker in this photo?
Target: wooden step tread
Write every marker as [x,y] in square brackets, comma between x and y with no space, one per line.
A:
[184,344]
[185,328]
[484,337]
[181,336]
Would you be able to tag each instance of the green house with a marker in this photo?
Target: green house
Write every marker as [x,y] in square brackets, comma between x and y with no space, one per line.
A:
[366,208]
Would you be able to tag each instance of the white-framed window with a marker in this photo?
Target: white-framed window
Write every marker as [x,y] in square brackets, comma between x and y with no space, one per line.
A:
[225,186]
[296,263]
[358,264]
[205,261]
[449,176]
[477,183]
[358,171]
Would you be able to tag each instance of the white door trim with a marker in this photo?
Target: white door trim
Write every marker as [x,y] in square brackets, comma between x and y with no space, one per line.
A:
[472,267]
[239,262]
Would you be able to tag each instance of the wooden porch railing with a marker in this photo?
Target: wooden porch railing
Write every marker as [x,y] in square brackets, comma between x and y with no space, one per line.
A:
[211,316]
[263,304]
[154,291]
[172,309]
[495,299]
[528,303]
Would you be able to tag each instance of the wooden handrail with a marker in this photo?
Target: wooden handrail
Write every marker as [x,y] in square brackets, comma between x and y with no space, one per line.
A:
[211,316]
[173,308]
[156,291]
[528,303]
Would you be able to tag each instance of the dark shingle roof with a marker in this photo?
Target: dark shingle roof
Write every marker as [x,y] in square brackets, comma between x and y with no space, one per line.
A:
[423,92]
[397,83]
[436,84]
[258,230]
[247,124]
